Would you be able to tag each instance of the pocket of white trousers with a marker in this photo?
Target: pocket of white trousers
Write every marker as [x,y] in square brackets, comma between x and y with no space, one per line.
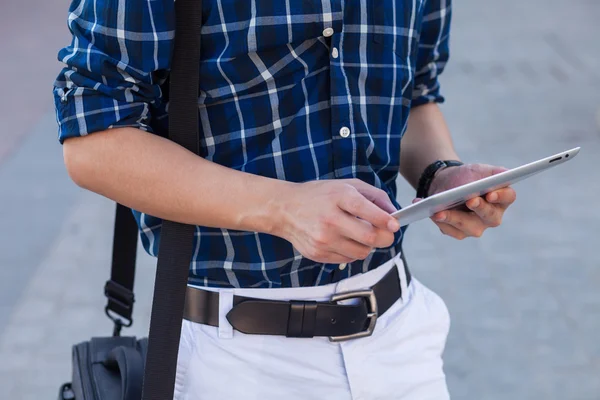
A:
[422,312]
[187,345]
[438,307]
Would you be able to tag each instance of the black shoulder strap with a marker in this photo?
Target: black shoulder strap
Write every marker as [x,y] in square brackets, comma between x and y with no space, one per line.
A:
[119,288]
[175,248]
[176,240]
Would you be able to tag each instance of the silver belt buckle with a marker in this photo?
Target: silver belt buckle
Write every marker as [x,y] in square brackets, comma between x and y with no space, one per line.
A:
[371,300]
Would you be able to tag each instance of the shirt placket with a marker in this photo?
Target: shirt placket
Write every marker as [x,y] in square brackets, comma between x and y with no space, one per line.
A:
[343,146]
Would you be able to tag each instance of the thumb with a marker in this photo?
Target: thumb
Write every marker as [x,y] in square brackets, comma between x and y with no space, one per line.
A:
[485,170]
[497,170]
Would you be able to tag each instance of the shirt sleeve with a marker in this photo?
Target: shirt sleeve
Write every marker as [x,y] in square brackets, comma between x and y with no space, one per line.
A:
[433,51]
[118,57]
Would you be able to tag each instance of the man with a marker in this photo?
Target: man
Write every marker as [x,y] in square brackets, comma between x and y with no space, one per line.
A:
[309,110]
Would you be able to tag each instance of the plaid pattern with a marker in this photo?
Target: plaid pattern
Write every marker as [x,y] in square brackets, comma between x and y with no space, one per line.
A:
[294,90]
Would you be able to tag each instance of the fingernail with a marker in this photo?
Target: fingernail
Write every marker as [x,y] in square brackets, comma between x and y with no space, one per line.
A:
[493,196]
[475,203]
[393,225]
[440,218]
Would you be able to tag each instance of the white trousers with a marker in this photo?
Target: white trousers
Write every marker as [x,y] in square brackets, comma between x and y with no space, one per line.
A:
[401,360]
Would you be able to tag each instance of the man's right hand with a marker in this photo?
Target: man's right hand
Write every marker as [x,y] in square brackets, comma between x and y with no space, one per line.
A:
[336,221]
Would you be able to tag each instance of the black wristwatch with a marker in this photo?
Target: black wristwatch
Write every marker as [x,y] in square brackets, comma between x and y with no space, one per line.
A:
[429,173]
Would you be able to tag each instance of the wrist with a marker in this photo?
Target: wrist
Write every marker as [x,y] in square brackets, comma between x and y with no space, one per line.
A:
[439,176]
[279,209]
[269,215]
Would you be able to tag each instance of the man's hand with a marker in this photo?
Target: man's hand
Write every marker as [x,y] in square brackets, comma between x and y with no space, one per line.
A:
[336,221]
[480,213]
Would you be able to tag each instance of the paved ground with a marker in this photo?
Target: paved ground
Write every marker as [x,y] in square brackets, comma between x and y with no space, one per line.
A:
[31,31]
[524,82]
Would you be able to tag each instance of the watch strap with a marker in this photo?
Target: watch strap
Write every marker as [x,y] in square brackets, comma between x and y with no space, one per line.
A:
[429,173]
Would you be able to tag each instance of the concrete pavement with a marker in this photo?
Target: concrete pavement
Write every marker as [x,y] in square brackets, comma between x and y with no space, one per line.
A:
[31,32]
[523,83]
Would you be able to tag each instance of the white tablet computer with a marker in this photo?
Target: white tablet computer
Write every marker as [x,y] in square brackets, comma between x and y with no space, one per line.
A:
[459,195]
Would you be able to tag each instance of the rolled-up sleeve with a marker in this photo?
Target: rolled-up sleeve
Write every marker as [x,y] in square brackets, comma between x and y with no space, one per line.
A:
[119,55]
[433,51]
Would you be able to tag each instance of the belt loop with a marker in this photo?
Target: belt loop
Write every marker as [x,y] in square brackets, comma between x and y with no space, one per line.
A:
[401,277]
[295,319]
[309,320]
[225,305]
[302,319]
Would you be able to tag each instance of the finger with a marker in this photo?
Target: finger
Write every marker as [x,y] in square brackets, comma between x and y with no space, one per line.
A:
[451,231]
[490,214]
[468,223]
[331,258]
[362,232]
[503,197]
[340,259]
[377,196]
[351,249]
[359,206]
[418,199]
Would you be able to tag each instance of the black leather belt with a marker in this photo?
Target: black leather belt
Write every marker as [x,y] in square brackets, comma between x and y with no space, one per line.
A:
[304,319]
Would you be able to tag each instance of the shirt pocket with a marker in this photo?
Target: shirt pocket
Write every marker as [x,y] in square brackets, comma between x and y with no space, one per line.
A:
[234,28]
[396,24]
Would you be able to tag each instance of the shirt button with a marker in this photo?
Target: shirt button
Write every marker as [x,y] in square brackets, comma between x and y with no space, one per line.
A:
[334,52]
[343,266]
[328,32]
[345,132]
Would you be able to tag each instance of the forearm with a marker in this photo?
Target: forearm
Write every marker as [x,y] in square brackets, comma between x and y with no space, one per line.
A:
[427,139]
[156,176]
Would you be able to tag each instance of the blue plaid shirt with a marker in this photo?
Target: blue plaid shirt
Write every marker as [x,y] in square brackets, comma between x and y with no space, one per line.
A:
[296,90]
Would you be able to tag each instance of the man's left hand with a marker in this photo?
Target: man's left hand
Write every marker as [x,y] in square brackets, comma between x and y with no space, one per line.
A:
[481,212]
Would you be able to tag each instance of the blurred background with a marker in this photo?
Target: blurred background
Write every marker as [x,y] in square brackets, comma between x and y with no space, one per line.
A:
[523,83]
